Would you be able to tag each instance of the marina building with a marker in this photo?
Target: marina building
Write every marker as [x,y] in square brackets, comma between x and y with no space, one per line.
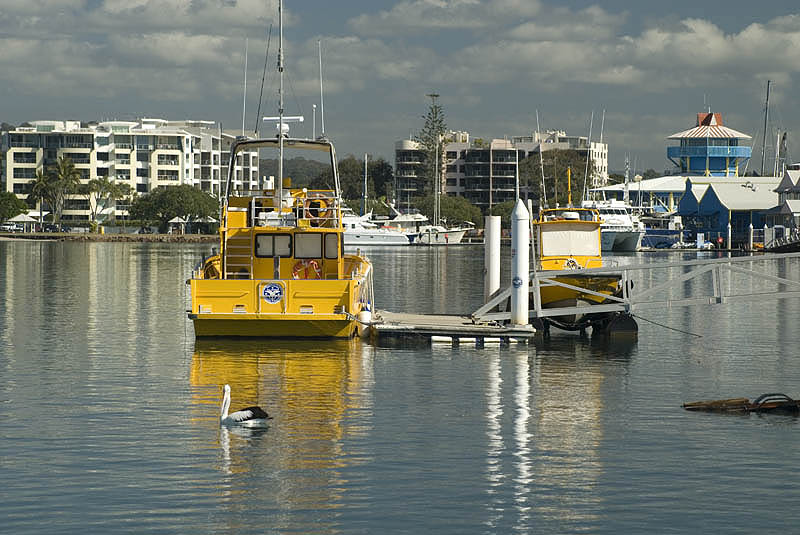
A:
[486,172]
[144,154]
[710,148]
[707,188]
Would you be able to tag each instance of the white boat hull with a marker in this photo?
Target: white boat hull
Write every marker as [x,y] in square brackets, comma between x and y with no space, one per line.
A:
[374,237]
[438,237]
[621,241]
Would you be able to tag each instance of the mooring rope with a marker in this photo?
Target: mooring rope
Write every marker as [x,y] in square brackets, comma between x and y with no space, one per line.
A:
[666,326]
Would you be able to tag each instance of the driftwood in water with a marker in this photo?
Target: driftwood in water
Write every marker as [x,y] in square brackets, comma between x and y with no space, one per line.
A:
[764,403]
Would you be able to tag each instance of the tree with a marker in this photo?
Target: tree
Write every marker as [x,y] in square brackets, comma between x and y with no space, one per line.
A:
[382,175]
[11,205]
[504,210]
[101,193]
[453,208]
[65,180]
[167,202]
[41,192]
[555,163]
[431,140]
[650,173]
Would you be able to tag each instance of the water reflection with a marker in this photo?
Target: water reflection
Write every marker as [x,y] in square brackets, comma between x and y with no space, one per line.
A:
[320,396]
[570,383]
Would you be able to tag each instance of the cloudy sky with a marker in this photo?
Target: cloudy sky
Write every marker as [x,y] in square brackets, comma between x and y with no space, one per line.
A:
[650,65]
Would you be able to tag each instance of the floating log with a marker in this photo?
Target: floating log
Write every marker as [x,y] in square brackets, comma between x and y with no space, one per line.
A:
[764,403]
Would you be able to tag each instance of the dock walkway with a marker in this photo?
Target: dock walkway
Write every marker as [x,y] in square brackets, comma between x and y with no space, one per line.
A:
[423,327]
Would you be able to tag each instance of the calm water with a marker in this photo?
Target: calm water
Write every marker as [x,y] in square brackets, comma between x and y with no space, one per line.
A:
[109,413]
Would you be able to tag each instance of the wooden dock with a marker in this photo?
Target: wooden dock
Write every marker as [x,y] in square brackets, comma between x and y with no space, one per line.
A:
[399,326]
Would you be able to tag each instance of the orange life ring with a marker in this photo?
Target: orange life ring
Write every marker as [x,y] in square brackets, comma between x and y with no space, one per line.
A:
[308,268]
[317,210]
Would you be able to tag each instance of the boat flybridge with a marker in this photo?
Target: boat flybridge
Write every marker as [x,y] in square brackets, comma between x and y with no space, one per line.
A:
[281,270]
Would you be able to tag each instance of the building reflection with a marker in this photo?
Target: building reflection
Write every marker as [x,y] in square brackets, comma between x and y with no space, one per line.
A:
[319,394]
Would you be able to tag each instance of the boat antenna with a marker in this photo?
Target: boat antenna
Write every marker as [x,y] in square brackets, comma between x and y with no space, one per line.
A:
[588,154]
[321,101]
[263,77]
[764,141]
[244,89]
[541,162]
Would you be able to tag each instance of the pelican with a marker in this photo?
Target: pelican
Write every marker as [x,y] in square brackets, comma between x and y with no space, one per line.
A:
[249,417]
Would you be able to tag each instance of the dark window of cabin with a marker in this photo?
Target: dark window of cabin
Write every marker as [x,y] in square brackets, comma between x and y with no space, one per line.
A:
[332,245]
[269,245]
[308,245]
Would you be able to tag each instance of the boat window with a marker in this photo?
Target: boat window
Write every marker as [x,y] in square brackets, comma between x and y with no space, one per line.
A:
[331,245]
[273,245]
[308,245]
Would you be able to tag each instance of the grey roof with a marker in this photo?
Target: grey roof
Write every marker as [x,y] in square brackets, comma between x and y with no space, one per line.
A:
[745,197]
[677,183]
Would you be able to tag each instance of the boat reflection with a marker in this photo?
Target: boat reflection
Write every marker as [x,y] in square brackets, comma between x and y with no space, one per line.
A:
[315,392]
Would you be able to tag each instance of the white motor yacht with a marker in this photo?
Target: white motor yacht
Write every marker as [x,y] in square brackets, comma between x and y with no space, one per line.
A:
[621,230]
[359,230]
[419,230]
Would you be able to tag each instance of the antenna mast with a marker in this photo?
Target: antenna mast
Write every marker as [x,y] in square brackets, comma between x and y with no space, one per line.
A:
[244,90]
[280,106]
[321,102]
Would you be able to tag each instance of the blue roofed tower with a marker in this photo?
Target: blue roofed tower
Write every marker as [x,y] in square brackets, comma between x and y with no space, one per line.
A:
[710,148]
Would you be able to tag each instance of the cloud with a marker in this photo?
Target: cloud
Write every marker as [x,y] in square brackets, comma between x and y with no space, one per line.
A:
[424,15]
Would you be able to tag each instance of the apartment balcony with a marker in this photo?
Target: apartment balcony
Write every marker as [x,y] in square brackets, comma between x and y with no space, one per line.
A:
[710,151]
[407,174]
[168,146]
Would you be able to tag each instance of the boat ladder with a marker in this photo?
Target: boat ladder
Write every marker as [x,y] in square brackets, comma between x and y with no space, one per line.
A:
[239,255]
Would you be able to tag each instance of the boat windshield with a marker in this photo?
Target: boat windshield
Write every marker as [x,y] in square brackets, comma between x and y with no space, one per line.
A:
[569,214]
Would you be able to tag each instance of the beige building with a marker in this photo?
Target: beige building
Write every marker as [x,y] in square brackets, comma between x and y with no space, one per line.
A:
[485,172]
[144,154]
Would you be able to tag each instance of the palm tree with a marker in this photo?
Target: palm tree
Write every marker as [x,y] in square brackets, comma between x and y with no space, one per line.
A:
[66,180]
[41,191]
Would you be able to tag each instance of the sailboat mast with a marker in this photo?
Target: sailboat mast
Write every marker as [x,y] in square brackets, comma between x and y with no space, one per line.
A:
[764,141]
[364,195]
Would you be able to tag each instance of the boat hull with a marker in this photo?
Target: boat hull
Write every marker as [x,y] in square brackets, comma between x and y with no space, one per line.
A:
[621,241]
[284,327]
[360,238]
[561,297]
[449,237]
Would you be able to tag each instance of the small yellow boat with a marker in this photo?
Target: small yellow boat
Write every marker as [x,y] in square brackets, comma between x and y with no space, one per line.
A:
[569,239]
[281,270]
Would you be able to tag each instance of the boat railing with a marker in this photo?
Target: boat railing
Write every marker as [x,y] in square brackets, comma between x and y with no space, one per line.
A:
[299,208]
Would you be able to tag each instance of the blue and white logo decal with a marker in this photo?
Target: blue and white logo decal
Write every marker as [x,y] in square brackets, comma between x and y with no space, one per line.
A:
[517,282]
[272,293]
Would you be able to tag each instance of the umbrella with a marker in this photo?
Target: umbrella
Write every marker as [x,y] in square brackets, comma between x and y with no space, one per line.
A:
[177,219]
[207,219]
[22,218]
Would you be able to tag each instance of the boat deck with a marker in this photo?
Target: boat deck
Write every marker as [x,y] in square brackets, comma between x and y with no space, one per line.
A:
[399,326]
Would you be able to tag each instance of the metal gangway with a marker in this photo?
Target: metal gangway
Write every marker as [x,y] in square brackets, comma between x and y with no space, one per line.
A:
[653,285]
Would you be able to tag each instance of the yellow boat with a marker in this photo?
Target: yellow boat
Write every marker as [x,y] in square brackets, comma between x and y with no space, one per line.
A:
[281,270]
[569,239]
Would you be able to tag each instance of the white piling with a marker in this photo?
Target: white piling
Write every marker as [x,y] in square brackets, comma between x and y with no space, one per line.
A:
[750,239]
[491,256]
[729,235]
[520,263]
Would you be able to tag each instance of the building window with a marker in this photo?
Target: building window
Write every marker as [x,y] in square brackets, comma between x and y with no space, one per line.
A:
[24,172]
[24,157]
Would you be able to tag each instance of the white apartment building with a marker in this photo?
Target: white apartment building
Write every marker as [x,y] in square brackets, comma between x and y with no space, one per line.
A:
[485,172]
[144,154]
